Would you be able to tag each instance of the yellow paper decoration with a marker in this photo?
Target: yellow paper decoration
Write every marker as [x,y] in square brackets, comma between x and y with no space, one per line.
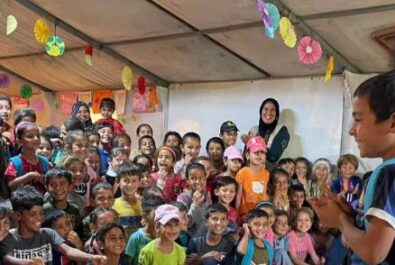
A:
[12,23]
[329,69]
[127,78]
[287,32]
[41,31]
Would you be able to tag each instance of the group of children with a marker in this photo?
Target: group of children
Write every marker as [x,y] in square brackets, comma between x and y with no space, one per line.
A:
[110,204]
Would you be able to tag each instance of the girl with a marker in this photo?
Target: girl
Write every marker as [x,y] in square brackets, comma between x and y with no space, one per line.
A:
[225,190]
[93,161]
[320,178]
[300,242]
[124,141]
[143,130]
[147,147]
[93,137]
[144,160]
[23,114]
[190,150]
[80,110]
[111,239]
[172,139]
[171,183]
[281,244]
[45,148]
[278,188]
[5,221]
[252,179]
[302,172]
[27,168]
[270,209]
[208,167]
[146,180]
[5,113]
[100,216]
[233,161]
[215,148]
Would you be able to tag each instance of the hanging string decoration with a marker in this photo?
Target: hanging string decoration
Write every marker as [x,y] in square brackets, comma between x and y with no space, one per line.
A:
[267,21]
[329,69]
[41,31]
[12,24]
[55,46]
[127,78]
[89,55]
[141,84]
[309,50]
[26,91]
[287,32]
[5,81]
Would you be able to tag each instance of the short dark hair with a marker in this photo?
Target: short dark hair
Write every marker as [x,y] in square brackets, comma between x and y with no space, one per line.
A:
[116,151]
[380,93]
[191,135]
[215,208]
[52,216]
[296,188]
[216,140]
[5,212]
[256,213]
[129,169]
[221,182]
[136,158]
[19,114]
[192,166]
[172,133]
[284,161]
[101,234]
[141,126]
[107,102]
[57,172]
[115,140]
[25,198]
[347,158]
[74,124]
[52,131]
[151,202]
[101,125]
[95,214]
[101,186]
[146,137]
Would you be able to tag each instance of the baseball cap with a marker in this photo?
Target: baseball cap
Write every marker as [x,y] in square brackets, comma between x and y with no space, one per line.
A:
[232,153]
[166,212]
[256,144]
[228,126]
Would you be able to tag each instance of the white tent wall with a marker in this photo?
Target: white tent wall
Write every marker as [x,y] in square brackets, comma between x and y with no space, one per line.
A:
[311,109]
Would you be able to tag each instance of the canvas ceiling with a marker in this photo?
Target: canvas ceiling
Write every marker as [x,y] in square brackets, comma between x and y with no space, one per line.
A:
[184,41]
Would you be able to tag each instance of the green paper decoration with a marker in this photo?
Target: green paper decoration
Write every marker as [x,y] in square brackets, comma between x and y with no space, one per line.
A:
[55,46]
[26,91]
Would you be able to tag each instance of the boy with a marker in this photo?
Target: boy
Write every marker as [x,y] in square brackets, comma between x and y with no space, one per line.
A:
[374,131]
[190,149]
[288,164]
[214,248]
[106,133]
[127,206]
[58,184]
[256,250]
[163,250]
[107,108]
[30,241]
[118,156]
[228,133]
[144,235]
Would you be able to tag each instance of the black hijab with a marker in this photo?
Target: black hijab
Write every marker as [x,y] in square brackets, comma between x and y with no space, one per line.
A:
[265,129]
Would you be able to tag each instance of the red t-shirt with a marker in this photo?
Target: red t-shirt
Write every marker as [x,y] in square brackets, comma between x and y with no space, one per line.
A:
[11,173]
[117,126]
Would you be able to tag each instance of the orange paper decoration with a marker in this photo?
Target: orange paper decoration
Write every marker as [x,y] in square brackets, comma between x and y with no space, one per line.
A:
[97,96]
[66,101]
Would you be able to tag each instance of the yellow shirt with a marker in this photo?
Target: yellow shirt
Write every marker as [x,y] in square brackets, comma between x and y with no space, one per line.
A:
[129,215]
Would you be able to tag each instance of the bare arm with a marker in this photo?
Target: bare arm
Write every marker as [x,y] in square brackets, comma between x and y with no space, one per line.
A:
[78,255]
[296,260]
[238,198]
[19,181]
[243,244]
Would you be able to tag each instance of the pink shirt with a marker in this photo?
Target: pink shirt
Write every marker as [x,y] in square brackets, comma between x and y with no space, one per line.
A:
[172,186]
[300,246]
[270,236]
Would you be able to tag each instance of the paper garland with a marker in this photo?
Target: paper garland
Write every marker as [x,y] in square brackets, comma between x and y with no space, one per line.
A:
[41,31]
[26,91]
[287,32]
[55,46]
[309,50]
[127,78]
[89,55]
[12,24]
[329,69]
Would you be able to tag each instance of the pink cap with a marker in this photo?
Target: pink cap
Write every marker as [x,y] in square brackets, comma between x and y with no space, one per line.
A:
[232,153]
[166,212]
[256,144]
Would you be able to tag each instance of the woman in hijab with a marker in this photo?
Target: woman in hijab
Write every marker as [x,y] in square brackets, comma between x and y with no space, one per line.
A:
[80,110]
[276,135]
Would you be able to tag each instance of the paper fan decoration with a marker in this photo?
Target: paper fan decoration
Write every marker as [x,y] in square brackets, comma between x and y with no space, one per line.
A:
[12,24]
[274,15]
[287,32]
[55,46]
[267,21]
[329,69]
[4,81]
[26,91]
[127,78]
[309,50]
[89,55]
[141,85]
[41,31]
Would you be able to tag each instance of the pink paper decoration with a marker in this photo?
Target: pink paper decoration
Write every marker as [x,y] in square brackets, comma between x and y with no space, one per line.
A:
[66,101]
[140,103]
[37,105]
[309,50]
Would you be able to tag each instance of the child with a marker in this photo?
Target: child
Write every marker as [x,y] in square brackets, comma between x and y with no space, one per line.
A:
[93,161]
[27,168]
[214,248]
[300,242]
[105,131]
[163,250]
[288,164]
[58,184]
[171,184]
[45,148]
[278,188]
[144,160]
[60,221]
[127,206]
[93,137]
[111,239]
[118,156]
[190,149]
[233,161]
[99,217]
[30,240]
[302,172]
[20,115]
[348,185]
[373,129]
[54,134]
[320,177]
[5,221]
[252,179]
[281,245]
[124,141]
[80,110]
[146,180]
[147,233]
[255,250]
[297,199]
[269,208]
[184,237]
[107,108]
[225,190]
[215,148]
[5,111]
[172,139]
[143,130]
[228,133]
[147,147]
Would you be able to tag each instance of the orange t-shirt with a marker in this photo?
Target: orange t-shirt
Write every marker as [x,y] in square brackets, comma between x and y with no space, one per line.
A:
[254,188]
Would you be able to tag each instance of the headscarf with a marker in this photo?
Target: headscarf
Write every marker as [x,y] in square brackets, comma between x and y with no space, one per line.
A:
[76,107]
[265,129]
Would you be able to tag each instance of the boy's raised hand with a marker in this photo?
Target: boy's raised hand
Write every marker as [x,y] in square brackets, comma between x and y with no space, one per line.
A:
[99,260]
[75,239]
[246,229]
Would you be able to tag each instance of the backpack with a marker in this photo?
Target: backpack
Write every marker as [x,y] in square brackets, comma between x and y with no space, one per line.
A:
[17,161]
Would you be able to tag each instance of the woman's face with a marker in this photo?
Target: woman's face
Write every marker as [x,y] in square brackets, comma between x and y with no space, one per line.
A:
[83,114]
[268,113]
[5,110]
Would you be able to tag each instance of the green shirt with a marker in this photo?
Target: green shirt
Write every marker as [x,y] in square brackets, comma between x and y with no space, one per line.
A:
[261,257]
[150,255]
